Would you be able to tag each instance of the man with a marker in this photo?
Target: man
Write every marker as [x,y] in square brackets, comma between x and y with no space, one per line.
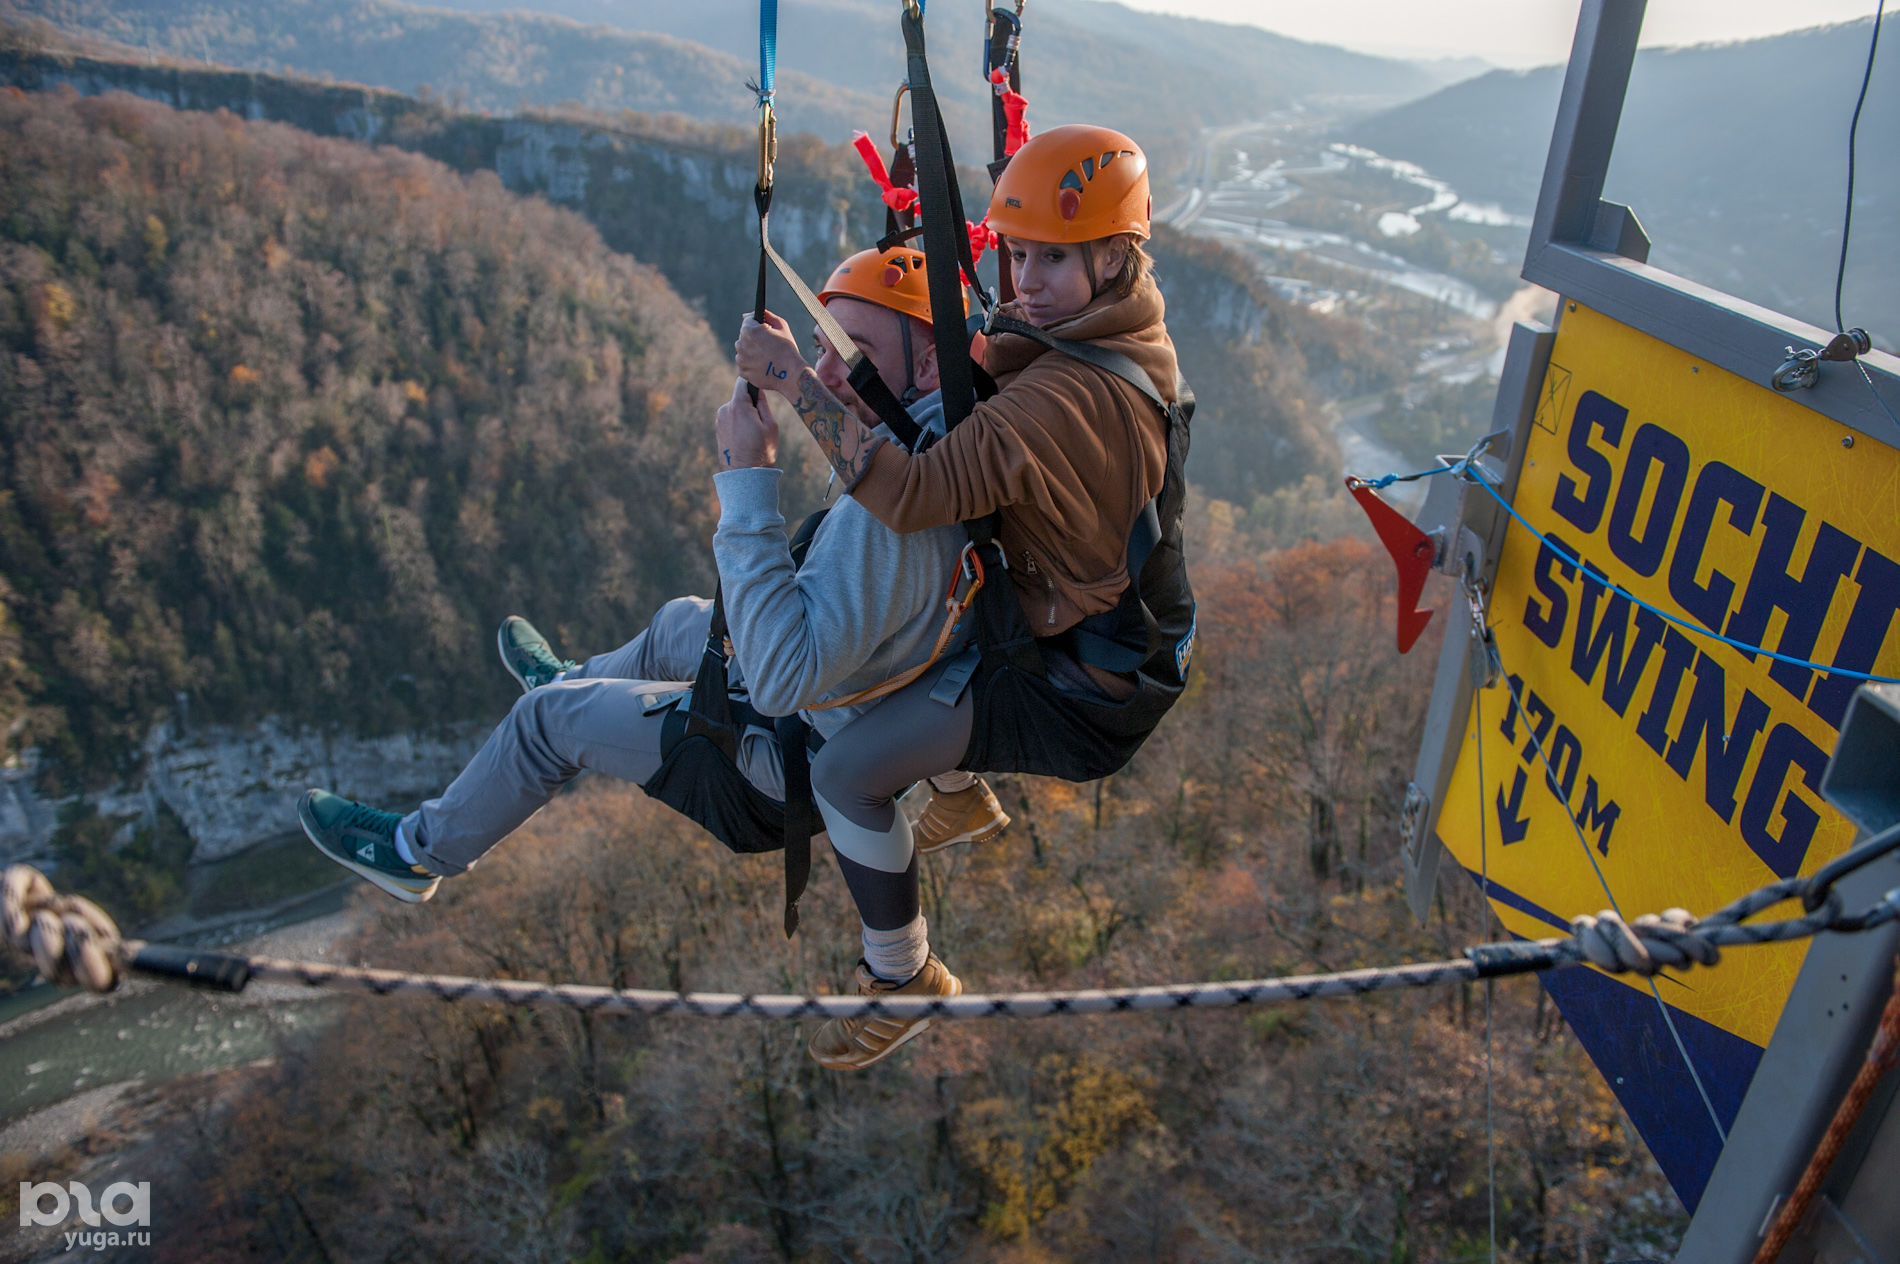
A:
[866,605]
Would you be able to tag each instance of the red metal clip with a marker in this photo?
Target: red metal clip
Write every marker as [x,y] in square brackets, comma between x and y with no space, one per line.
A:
[1411,551]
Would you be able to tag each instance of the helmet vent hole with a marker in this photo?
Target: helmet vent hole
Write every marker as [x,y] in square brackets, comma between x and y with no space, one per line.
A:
[1070,181]
[1088,168]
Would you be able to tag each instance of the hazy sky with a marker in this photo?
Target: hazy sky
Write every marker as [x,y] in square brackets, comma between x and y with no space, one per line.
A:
[1506,32]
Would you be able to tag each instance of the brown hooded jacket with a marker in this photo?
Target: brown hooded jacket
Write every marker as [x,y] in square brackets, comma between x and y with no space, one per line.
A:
[1069,453]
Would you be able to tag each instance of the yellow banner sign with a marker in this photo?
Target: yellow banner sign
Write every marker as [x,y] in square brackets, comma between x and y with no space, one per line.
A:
[1681,771]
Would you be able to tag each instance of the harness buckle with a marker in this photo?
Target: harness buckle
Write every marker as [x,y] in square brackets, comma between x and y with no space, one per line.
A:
[768,143]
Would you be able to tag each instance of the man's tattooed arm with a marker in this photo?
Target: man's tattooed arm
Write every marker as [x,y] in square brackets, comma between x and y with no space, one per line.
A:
[845,441]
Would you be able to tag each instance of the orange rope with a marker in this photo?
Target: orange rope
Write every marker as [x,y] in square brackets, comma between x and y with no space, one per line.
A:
[1881,1058]
[964,586]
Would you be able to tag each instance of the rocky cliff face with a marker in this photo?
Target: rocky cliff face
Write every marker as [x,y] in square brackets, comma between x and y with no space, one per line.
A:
[235,787]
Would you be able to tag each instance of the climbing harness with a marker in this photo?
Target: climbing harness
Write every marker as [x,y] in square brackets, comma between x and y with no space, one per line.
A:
[74,943]
[1026,722]
[1023,720]
[964,587]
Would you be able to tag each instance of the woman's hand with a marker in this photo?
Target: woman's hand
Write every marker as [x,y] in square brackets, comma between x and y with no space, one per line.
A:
[748,433]
[768,355]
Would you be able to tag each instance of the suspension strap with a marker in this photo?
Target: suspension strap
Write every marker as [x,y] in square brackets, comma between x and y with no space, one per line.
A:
[946,235]
[1008,129]
[794,738]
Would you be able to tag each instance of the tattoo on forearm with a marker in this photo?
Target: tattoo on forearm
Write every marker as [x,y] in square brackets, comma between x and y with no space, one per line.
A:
[843,439]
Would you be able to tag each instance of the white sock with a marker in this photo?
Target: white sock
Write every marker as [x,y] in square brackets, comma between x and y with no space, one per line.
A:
[953,782]
[897,955]
[402,845]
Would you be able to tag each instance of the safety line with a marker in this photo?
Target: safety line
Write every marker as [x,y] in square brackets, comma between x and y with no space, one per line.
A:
[1484,871]
[1482,480]
[1868,378]
[1853,129]
[75,944]
[1662,1006]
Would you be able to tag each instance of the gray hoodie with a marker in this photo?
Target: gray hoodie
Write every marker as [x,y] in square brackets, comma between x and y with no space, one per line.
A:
[867,604]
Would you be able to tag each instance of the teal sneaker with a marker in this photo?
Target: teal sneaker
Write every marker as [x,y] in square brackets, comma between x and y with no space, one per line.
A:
[363,840]
[526,654]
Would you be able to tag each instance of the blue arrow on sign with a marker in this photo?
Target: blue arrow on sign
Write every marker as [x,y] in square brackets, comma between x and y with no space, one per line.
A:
[1511,826]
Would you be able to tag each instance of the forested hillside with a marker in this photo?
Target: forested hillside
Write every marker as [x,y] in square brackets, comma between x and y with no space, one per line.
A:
[679,195]
[291,423]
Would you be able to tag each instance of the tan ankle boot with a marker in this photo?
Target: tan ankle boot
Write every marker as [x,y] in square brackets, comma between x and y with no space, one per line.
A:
[958,816]
[851,1044]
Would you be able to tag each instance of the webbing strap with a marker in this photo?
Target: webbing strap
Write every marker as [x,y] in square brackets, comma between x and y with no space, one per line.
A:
[864,377]
[709,709]
[1005,31]
[1088,353]
[768,45]
[946,240]
[794,737]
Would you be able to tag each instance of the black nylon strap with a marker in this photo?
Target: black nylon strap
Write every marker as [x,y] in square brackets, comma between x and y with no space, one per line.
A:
[1003,26]
[762,199]
[794,736]
[946,243]
[709,709]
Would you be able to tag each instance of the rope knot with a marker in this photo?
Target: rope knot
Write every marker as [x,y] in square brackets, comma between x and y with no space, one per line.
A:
[1652,943]
[71,939]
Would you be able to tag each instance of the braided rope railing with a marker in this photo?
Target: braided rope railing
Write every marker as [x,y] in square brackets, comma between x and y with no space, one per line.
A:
[75,944]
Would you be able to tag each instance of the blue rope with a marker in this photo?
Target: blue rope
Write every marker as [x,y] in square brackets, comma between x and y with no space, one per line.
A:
[1699,630]
[1389,479]
[768,48]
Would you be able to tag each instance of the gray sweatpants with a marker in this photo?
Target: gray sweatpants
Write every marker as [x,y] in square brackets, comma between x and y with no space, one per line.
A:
[605,716]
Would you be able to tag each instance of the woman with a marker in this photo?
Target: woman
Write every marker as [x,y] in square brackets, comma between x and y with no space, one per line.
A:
[1068,453]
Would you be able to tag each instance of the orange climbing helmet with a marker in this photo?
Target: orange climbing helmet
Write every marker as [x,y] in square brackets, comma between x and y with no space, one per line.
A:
[1075,183]
[890,278]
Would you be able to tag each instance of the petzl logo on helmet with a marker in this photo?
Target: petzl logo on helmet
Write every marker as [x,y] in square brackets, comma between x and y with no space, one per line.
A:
[123,1203]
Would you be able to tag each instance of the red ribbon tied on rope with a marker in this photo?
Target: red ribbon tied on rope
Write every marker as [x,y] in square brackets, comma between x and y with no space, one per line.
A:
[896,196]
[1015,109]
[904,200]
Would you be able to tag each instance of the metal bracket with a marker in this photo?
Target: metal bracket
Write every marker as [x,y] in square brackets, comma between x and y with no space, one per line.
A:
[1414,818]
[1617,231]
[1802,368]
[1863,778]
